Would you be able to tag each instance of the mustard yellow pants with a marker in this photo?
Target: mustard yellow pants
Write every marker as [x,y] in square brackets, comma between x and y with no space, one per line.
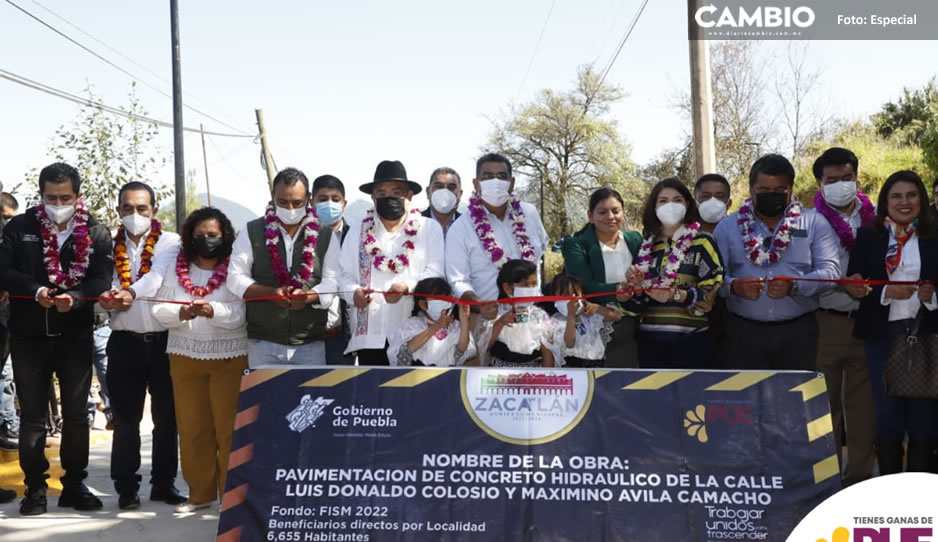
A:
[206,396]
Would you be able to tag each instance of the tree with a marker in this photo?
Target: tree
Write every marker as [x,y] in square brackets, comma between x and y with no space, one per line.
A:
[108,151]
[167,213]
[804,117]
[913,119]
[566,145]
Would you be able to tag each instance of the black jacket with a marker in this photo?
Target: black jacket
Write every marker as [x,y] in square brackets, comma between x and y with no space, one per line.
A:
[23,272]
[868,258]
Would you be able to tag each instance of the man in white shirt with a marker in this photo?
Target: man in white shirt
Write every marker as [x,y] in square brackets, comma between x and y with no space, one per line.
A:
[386,254]
[281,256]
[136,350]
[841,356]
[511,229]
[329,201]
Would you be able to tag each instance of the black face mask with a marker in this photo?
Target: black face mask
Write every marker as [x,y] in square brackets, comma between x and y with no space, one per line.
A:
[207,247]
[390,208]
[771,203]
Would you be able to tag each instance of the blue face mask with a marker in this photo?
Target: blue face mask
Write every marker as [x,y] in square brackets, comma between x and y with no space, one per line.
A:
[329,212]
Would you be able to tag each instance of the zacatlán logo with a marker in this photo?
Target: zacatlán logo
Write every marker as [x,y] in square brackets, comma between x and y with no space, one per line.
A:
[307,412]
[760,17]
[526,407]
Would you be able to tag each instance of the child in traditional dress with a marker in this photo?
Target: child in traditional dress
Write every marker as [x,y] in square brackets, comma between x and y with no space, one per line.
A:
[581,329]
[432,336]
[521,334]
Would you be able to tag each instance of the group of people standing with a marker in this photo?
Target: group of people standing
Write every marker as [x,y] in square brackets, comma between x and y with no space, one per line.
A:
[189,313]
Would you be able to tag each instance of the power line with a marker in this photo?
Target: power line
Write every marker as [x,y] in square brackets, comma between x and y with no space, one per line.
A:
[127,58]
[20,80]
[625,38]
[536,47]
[108,62]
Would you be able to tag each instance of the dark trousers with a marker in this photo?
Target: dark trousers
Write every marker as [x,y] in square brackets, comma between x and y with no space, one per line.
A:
[898,416]
[335,350]
[34,362]
[134,366]
[373,356]
[692,351]
[622,351]
[789,346]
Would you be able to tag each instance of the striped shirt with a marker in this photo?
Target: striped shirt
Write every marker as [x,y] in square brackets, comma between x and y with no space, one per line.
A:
[700,273]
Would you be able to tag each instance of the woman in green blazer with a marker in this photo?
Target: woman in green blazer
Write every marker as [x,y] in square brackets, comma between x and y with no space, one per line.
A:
[601,255]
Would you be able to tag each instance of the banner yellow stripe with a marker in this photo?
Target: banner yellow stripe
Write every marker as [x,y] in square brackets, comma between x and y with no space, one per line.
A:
[413,378]
[812,388]
[739,382]
[825,469]
[600,374]
[259,376]
[332,378]
[658,380]
[820,427]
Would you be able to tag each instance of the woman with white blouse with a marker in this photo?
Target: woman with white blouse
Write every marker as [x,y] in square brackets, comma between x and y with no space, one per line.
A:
[207,349]
[901,245]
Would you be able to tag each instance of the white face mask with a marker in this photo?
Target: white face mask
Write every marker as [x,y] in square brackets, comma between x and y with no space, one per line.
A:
[712,210]
[520,291]
[436,307]
[495,192]
[562,307]
[671,213]
[59,213]
[840,194]
[443,200]
[291,216]
[136,224]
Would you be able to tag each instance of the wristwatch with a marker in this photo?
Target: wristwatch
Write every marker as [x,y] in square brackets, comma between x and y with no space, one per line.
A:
[793,291]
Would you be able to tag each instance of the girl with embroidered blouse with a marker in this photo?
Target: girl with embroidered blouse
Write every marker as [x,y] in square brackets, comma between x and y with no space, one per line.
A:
[581,329]
[678,265]
[433,335]
[521,335]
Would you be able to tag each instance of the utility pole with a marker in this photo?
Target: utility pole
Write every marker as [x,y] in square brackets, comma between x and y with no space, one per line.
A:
[208,191]
[265,149]
[177,119]
[700,95]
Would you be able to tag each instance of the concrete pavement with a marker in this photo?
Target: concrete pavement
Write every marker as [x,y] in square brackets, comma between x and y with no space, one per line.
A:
[153,522]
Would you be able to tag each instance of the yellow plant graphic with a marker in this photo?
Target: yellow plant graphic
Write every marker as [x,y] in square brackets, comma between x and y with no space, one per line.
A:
[695,422]
[841,534]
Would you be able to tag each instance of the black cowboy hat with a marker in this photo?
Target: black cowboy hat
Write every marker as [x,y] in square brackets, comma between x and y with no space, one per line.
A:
[390,171]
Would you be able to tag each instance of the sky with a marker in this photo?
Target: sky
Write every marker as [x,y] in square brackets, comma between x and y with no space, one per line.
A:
[344,85]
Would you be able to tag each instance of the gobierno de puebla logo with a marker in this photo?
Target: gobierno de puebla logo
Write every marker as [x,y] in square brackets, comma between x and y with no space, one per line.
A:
[526,407]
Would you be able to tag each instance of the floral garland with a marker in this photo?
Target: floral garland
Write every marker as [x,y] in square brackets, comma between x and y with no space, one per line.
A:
[487,237]
[841,227]
[668,273]
[122,262]
[310,238]
[182,273]
[755,243]
[50,247]
[369,244]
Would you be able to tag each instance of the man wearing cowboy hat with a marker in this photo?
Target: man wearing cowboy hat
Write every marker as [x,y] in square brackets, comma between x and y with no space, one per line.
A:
[385,255]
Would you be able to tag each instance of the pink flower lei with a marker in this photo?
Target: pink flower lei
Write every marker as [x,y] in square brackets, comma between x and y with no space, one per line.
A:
[369,244]
[841,227]
[48,230]
[182,274]
[310,238]
[667,276]
[755,243]
[484,230]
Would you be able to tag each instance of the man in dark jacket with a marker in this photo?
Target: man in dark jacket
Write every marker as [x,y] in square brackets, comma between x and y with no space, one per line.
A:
[51,258]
